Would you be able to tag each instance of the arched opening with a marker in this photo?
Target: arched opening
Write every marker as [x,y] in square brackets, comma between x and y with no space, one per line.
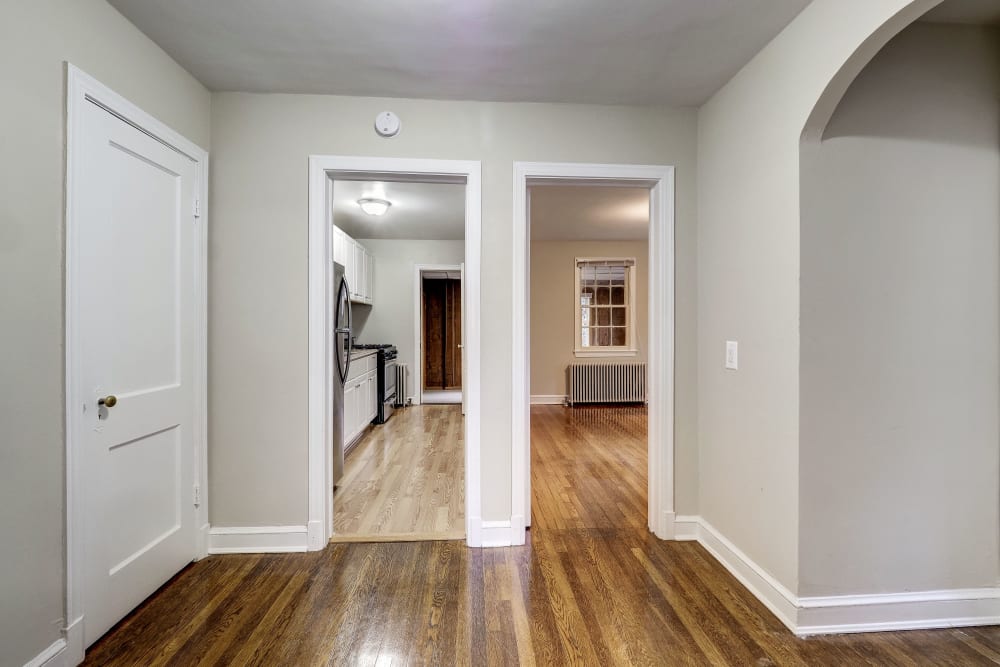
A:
[900,317]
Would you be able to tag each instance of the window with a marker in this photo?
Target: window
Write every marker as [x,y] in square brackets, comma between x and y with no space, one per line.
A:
[605,320]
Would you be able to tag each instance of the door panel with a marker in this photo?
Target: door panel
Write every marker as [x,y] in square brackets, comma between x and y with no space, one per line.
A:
[136,298]
[433,317]
[442,333]
[453,334]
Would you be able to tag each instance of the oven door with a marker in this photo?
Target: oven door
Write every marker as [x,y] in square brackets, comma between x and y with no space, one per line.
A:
[389,382]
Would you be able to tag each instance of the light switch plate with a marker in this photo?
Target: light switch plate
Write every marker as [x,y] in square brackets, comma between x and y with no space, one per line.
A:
[732,355]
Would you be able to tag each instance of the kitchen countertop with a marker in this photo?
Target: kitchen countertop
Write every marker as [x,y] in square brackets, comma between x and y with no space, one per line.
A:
[359,354]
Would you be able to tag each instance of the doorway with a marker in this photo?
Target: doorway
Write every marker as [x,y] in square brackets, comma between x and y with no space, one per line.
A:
[440,328]
[659,181]
[588,287]
[384,306]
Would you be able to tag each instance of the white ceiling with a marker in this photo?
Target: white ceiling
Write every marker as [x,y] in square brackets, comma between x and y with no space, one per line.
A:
[977,12]
[672,52]
[428,211]
[589,213]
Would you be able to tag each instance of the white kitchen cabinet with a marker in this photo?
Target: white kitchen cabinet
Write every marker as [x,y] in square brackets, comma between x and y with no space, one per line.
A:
[372,393]
[361,274]
[360,397]
[359,266]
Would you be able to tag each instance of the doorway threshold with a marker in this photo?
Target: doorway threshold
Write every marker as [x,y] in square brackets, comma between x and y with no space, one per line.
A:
[441,397]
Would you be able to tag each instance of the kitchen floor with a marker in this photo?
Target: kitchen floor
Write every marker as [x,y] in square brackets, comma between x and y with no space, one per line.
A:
[405,480]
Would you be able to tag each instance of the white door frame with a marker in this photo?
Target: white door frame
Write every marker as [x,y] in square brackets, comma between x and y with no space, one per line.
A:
[418,324]
[320,526]
[82,89]
[660,181]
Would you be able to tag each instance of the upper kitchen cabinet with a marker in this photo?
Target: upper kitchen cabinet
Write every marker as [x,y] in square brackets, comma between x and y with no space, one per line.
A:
[359,266]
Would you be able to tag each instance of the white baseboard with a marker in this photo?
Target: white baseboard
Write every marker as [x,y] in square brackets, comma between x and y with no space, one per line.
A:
[257,539]
[686,528]
[548,399]
[898,611]
[756,579]
[845,613]
[54,656]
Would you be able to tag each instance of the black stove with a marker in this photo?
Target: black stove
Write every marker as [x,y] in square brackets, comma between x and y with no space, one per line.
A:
[372,346]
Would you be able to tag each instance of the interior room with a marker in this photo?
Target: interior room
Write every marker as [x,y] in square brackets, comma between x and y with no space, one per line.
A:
[400,476]
[784,213]
[589,292]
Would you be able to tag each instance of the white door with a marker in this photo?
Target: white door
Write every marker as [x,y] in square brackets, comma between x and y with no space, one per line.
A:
[136,290]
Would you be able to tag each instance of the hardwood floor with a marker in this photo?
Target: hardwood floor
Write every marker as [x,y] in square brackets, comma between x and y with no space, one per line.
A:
[582,591]
[588,467]
[405,480]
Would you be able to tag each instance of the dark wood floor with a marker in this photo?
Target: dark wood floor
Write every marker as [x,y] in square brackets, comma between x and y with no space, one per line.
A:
[583,591]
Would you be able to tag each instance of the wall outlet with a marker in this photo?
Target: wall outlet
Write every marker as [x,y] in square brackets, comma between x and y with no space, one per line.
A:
[732,355]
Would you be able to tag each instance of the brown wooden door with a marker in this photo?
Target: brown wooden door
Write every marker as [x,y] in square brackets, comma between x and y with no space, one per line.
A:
[442,316]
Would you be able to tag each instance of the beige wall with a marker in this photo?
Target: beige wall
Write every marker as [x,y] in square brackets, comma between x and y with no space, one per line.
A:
[553,314]
[748,270]
[900,219]
[390,319]
[260,146]
[35,38]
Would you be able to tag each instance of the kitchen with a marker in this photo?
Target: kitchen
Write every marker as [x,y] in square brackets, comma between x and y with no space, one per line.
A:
[398,467]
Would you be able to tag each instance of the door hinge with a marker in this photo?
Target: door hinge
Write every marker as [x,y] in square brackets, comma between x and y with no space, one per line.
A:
[197,495]
[197,208]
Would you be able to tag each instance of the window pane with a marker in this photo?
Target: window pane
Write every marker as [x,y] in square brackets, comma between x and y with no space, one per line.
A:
[618,317]
[618,296]
[585,337]
[603,296]
[618,337]
[601,336]
[603,316]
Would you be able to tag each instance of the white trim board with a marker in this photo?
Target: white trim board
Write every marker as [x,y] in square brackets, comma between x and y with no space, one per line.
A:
[321,168]
[82,89]
[807,616]
[660,361]
[548,399]
[56,655]
[257,539]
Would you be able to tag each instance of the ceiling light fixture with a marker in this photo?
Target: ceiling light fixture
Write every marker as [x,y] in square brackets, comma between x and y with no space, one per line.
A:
[374,206]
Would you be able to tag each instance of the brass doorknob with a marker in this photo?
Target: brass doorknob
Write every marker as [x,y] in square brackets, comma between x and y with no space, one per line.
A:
[109,401]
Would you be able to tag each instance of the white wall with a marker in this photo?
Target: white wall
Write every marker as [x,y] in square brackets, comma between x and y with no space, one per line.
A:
[260,146]
[35,39]
[553,313]
[391,318]
[900,371]
[748,269]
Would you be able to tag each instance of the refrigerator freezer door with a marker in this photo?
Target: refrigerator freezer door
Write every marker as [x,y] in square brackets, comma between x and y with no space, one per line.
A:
[342,334]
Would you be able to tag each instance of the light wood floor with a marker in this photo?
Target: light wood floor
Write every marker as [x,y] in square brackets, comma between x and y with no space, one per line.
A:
[587,594]
[405,479]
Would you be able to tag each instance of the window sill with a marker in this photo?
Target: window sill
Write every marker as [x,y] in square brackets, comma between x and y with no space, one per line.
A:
[606,353]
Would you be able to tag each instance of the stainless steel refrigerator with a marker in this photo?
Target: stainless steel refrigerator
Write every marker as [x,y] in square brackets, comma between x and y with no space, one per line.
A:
[343,334]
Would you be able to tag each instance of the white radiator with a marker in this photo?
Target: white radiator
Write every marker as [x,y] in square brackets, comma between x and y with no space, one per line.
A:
[400,400]
[607,383]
